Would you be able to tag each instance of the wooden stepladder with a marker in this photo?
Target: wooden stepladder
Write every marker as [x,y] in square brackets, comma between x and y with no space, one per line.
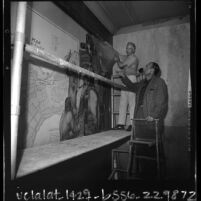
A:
[134,157]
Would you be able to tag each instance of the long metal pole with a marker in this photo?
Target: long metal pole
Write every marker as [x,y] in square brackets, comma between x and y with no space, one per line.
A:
[62,64]
[16,81]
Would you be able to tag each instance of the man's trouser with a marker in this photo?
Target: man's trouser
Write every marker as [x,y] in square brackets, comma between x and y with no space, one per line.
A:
[127,99]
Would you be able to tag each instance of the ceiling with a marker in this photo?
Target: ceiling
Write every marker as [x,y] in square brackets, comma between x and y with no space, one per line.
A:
[118,14]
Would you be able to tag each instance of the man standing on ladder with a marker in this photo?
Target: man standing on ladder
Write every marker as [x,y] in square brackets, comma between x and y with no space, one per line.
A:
[129,66]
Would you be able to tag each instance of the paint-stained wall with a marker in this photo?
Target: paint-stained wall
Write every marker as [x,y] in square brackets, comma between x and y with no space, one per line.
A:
[169,46]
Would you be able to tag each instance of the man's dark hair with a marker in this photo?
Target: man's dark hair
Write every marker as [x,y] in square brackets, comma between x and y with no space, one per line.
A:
[157,70]
[133,44]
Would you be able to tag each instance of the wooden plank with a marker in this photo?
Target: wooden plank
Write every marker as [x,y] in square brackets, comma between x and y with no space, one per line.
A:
[41,157]
[83,16]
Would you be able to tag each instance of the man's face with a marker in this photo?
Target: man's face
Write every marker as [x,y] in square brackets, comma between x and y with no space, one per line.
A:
[149,71]
[130,49]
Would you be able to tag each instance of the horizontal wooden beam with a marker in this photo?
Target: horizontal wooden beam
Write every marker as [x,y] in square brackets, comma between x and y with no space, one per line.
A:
[98,11]
[41,157]
[65,65]
[83,16]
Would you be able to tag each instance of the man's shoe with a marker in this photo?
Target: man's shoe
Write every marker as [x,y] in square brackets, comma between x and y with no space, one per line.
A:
[129,128]
[119,127]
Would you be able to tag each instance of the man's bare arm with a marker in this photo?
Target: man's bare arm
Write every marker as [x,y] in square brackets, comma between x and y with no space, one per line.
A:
[132,69]
[129,66]
[122,64]
[127,62]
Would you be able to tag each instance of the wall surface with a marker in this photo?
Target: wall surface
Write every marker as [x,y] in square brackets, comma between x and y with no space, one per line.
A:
[54,14]
[43,90]
[168,44]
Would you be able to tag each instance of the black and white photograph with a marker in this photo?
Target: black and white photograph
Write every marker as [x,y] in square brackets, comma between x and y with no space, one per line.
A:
[98,100]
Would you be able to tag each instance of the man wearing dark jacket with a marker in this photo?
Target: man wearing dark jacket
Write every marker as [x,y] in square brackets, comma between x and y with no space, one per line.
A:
[151,93]
[151,103]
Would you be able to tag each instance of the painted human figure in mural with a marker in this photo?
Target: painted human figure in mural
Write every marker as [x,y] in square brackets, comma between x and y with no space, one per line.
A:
[80,116]
[67,121]
[129,65]
[92,110]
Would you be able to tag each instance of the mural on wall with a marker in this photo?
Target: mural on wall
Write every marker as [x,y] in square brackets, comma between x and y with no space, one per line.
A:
[106,54]
[80,115]
[88,100]
[103,62]
[49,98]
[58,106]
[43,90]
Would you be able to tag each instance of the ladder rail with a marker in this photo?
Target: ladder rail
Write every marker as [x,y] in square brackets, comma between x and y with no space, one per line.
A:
[132,152]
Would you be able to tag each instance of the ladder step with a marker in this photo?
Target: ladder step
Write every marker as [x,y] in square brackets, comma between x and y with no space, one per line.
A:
[150,143]
[120,151]
[146,158]
[135,177]
[118,113]
[119,170]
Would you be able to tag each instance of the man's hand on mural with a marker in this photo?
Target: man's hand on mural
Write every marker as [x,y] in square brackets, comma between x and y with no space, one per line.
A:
[121,73]
[116,59]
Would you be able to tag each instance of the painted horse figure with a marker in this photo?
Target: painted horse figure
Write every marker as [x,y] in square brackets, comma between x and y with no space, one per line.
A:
[106,53]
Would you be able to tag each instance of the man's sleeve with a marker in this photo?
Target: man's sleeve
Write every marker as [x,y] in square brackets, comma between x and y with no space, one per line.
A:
[130,85]
[161,101]
[127,62]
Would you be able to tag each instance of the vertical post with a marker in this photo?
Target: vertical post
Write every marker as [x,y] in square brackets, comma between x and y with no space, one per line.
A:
[112,104]
[131,150]
[189,110]
[16,81]
[157,149]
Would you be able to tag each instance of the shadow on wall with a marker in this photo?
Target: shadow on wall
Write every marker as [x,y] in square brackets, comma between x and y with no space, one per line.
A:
[23,127]
[23,106]
[177,154]
[180,113]
[176,143]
